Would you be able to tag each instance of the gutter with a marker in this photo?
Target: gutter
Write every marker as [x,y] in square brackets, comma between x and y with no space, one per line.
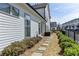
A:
[35,10]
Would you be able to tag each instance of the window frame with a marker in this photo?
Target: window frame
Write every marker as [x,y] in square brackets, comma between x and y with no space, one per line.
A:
[4,11]
[27,26]
[10,11]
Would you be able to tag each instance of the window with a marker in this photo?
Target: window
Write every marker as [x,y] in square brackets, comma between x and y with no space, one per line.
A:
[15,11]
[27,31]
[73,26]
[27,28]
[69,27]
[5,7]
[77,26]
[27,25]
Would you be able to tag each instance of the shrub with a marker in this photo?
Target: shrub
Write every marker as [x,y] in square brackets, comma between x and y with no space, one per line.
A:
[70,47]
[18,47]
[67,40]
[64,38]
[70,52]
[19,44]
[14,49]
[64,45]
[32,41]
[35,40]
[28,43]
[63,32]
[7,51]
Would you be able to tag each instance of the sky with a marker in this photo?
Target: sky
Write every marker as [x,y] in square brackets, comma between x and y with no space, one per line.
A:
[64,12]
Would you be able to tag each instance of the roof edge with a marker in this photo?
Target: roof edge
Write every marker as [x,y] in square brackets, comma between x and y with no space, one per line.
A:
[35,10]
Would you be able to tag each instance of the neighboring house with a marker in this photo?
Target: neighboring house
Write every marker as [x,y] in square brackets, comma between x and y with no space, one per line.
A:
[71,25]
[19,21]
[53,26]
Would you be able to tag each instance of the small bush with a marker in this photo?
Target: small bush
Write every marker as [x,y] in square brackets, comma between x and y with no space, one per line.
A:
[14,49]
[19,44]
[70,52]
[67,40]
[64,45]
[28,43]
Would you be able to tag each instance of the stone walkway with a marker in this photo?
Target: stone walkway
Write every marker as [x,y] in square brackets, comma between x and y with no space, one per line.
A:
[42,48]
[38,49]
[48,46]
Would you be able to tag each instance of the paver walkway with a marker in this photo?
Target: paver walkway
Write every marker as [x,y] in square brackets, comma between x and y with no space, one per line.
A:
[42,48]
[35,49]
[48,46]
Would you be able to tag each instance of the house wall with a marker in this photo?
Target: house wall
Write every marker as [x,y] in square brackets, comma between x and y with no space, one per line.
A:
[43,27]
[13,29]
[35,20]
[34,28]
[44,11]
[47,18]
[41,11]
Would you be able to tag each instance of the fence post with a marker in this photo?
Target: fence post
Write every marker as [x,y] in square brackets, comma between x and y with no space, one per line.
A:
[74,35]
[68,33]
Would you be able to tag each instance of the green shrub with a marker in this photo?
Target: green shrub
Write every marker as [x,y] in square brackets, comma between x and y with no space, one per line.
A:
[70,52]
[64,38]
[67,40]
[64,45]
[70,47]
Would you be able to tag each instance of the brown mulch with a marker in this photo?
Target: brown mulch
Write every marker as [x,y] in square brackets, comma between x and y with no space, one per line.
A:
[53,48]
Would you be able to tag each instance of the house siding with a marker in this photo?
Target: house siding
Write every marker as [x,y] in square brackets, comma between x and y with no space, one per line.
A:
[43,9]
[11,29]
[43,28]
[47,18]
